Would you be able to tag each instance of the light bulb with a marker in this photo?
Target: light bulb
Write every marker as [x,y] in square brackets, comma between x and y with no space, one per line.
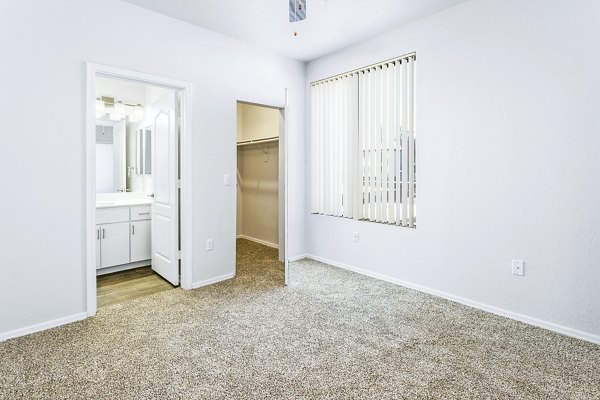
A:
[100,107]
[138,112]
[114,116]
[120,109]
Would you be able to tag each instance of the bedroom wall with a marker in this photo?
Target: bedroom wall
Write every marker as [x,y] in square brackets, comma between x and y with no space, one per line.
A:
[44,47]
[258,168]
[507,123]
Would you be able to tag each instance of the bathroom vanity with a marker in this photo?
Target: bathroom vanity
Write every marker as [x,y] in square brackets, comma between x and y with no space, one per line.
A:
[123,235]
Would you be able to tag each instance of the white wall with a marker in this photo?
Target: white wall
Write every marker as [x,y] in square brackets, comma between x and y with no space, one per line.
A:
[258,168]
[258,123]
[44,47]
[508,167]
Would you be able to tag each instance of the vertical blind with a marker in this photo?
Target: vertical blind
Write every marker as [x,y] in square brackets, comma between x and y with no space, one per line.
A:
[363,144]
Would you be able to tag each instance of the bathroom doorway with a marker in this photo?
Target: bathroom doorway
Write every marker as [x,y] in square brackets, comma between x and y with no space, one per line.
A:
[137,186]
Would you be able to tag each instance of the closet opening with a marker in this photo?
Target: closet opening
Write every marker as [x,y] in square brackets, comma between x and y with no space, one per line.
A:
[134,236]
[260,186]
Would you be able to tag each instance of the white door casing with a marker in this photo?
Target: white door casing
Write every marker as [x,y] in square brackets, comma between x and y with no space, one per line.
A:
[165,212]
[286,240]
[185,94]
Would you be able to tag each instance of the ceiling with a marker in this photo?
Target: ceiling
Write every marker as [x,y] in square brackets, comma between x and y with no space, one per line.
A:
[330,24]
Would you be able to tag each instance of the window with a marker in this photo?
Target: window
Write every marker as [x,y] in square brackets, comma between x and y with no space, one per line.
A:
[363,144]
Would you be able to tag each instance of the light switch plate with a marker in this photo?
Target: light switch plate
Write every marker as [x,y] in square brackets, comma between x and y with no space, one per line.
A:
[226,180]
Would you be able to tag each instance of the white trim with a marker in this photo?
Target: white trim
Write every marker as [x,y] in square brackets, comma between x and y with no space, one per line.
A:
[299,257]
[42,326]
[123,267]
[93,70]
[214,280]
[286,226]
[186,193]
[260,241]
[589,337]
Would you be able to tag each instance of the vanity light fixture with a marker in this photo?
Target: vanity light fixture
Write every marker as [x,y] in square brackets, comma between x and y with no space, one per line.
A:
[100,108]
[113,116]
[118,110]
[138,113]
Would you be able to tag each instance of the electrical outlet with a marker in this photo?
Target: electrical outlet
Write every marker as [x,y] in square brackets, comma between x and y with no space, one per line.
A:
[209,244]
[518,267]
[226,180]
[355,236]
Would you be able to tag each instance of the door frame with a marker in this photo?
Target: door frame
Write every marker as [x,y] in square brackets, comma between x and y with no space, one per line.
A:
[185,158]
[283,141]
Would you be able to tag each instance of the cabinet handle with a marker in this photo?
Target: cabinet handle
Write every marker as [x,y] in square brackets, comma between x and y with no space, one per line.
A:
[98,234]
[102,233]
[132,229]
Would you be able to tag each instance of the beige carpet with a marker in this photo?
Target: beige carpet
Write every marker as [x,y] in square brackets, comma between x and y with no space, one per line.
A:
[331,334]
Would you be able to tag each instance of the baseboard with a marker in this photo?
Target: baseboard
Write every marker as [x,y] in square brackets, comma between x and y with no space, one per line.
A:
[260,241]
[471,303]
[299,257]
[211,281]
[124,267]
[42,326]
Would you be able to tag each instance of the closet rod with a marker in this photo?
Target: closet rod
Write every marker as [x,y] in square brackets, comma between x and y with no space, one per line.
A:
[259,141]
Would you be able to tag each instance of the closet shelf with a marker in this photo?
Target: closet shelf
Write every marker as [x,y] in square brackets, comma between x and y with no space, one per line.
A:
[258,141]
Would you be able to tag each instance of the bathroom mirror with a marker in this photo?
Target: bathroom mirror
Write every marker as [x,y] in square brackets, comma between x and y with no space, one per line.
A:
[110,157]
[123,157]
[144,151]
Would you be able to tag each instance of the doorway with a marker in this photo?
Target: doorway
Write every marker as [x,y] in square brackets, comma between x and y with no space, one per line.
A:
[260,191]
[138,214]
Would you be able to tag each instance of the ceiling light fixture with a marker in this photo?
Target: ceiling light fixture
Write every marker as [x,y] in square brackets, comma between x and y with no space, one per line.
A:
[297,11]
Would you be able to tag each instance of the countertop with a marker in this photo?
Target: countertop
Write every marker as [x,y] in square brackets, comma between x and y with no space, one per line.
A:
[123,203]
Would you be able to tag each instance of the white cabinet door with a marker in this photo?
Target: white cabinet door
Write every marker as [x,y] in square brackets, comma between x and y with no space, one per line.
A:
[141,243]
[98,231]
[114,247]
